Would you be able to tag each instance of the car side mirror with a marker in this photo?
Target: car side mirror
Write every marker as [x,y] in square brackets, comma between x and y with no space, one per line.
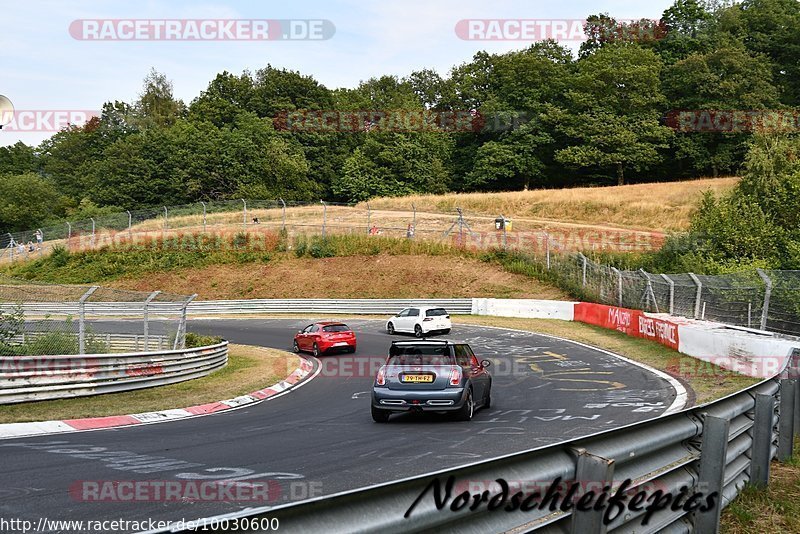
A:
[299,331]
[485,363]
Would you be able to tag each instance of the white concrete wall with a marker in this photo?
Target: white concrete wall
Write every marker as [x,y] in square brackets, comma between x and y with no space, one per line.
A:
[530,308]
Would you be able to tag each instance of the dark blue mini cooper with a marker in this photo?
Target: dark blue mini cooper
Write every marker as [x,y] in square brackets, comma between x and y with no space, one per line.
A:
[431,376]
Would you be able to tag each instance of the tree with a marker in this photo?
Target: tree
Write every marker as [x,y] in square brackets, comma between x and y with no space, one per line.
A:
[18,158]
[613,114]
[28,201]
[156,106]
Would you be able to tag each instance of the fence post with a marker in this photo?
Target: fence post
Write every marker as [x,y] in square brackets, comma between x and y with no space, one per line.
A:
[786,421]
[649,291]
[204,216]
[414,220]
[699,285]
[369,217]
[244,214]
[583,259]
[93,230]
[283,214]
[166,222]
[711,472]
[619,286]
[146,318]
[69,233]
[82,319]
[130,224]
[762,439]
[767,293]
[324,217]
[180,336]
[547,249]
[590,468]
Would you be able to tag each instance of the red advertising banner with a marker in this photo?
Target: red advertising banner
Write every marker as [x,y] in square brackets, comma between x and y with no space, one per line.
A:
[631,322]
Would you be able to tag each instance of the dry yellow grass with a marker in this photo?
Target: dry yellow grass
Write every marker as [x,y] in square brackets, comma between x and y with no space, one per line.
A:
[664,206]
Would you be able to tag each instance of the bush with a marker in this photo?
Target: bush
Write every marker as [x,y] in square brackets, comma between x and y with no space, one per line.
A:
[199,340]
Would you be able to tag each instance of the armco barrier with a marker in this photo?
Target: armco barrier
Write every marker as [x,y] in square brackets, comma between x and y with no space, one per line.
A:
[712,451]
[30,378]
[354,306]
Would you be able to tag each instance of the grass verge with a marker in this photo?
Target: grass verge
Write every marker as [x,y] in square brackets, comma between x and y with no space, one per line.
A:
[708,381]
[249,369]
[773,509]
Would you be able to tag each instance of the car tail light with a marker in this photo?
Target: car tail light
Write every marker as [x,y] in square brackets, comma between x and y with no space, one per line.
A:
[380,380]
[455,376]
[428,319]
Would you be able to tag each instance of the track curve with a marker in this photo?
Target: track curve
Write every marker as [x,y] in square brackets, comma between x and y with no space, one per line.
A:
[320,438]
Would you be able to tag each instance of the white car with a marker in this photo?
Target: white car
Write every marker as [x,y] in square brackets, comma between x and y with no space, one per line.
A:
[420,321]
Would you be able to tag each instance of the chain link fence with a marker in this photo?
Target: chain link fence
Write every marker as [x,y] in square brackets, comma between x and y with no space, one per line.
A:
[50,319]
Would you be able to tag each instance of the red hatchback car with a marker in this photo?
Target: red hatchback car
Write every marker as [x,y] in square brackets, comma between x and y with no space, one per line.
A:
[319,338]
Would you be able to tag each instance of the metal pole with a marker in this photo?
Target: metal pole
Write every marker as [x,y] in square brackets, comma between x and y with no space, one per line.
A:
[369,218]
[283,214]
[460,228]
[749,314]
[414,220]
[699,285]
[671,293]
[649,291]
[130,224]
[146,317]
[82,319]
[180,336]
[324,217]
[40,244]
[93,230]
[786,421]
[619,285]
[166,222]
[711,472]
[547,249]
[583,259]
[69,233]
[204,216]
[762,439]
[244,218]
[591,469]
[767,293]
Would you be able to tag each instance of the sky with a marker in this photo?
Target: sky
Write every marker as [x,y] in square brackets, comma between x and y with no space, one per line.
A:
[46,69]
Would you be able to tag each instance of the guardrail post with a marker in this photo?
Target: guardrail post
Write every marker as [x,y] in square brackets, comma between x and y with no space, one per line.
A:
[699,285]
[204,216]
[591,469]
[583,260]
[762,439]
[244,214]
[324,217]
[786,422]
[146,318]
[711,472]
[82,319]
[767,293]
[180,336]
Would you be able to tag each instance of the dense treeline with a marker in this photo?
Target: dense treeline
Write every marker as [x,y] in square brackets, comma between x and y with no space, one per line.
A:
[598,118]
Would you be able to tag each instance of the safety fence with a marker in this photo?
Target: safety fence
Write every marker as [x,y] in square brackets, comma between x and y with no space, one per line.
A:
[333,306]
[760,299]
[35,378]
[671,474]
[40,319]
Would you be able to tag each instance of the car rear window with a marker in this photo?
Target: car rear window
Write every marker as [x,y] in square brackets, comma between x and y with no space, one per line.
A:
[336,328]
[436,312]
[420,355]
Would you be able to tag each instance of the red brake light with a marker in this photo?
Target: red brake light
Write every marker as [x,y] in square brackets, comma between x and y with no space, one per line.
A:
[455,376]
[380,380]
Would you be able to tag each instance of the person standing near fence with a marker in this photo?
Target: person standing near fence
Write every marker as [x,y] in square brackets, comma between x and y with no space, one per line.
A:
[39,239]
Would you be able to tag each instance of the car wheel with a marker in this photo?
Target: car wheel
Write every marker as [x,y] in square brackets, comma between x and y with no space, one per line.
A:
[446,331]
[351,350]
[380,416]
[390,329]
[315,351]
[467,409]
[295,346]
[417,331]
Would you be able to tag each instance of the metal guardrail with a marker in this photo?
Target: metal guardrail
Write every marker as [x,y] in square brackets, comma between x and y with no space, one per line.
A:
[33,378]
[215,307]
[714,449]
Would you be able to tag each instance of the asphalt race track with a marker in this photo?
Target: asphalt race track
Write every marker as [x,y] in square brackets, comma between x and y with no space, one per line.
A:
[320,438]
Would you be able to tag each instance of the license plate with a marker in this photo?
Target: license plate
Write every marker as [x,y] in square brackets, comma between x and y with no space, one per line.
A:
[418,378]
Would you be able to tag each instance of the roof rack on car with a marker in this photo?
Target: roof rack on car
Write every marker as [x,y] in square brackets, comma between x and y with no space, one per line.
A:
[445,341]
